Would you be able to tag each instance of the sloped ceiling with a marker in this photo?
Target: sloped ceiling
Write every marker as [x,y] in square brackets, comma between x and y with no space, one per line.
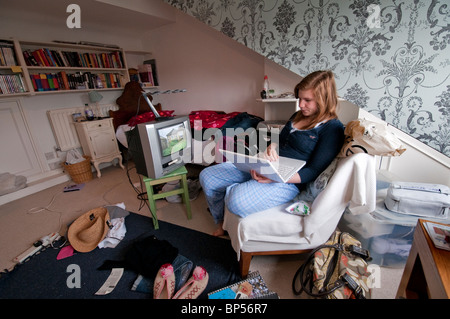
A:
[118,16]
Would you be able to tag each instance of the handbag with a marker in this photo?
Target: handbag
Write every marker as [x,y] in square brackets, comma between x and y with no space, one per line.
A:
[335,270]
[363,136]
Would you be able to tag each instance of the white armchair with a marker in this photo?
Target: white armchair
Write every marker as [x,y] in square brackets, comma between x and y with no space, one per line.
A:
[275,232]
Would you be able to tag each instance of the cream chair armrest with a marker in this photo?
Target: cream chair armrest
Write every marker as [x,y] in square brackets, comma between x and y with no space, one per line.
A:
[353,184]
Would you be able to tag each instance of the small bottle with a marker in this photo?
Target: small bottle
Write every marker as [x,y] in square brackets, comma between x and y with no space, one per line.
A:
[266,85]
[88,112]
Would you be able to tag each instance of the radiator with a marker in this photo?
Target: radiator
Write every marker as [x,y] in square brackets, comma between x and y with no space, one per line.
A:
[61,121]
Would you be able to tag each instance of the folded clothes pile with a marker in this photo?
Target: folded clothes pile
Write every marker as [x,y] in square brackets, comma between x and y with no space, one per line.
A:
[10,183]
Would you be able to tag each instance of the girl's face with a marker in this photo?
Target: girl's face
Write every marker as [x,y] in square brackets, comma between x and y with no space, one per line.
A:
[307,102]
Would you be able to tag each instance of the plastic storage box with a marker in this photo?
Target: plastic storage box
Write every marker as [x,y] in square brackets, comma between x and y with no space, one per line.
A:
[386,234]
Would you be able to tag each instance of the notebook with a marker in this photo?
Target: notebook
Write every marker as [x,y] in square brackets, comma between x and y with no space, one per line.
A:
[279,171]
[258,290]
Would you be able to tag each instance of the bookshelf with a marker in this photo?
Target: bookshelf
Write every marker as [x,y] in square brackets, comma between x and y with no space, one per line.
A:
[12,77]
[56,67]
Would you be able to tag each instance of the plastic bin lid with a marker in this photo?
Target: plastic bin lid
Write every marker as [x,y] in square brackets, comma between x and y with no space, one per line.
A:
[387,216]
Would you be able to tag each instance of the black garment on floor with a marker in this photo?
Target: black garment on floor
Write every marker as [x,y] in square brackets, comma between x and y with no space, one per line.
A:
[145,256]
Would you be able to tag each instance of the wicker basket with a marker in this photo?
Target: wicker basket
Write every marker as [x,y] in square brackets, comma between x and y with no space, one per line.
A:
[79,172]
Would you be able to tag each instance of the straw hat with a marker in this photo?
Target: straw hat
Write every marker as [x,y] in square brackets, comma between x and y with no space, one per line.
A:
[88,230]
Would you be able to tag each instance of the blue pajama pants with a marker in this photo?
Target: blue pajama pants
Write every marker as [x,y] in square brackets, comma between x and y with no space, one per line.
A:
[223,184]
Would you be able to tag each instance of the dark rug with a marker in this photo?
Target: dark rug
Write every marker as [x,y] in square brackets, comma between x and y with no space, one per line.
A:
[43,276]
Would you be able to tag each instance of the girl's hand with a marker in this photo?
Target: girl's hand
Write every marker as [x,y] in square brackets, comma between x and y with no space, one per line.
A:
[271,152]
[259,178]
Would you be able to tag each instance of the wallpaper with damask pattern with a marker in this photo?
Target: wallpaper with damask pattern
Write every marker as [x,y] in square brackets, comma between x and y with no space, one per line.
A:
[390,57]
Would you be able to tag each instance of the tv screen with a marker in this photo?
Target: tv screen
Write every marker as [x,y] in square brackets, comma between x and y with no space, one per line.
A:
[172,139]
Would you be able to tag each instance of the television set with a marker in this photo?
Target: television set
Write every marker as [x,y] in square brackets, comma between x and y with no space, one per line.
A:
[159,147]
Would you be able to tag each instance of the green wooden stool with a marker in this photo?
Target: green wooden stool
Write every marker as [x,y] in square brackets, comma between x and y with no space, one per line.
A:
[178,174]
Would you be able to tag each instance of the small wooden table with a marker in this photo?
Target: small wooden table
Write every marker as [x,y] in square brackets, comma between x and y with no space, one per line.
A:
[427,270]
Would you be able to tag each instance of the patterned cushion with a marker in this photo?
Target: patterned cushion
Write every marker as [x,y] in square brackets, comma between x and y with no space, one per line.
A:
[314,188]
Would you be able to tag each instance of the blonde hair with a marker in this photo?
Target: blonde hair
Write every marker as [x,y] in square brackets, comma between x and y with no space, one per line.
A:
[325,94]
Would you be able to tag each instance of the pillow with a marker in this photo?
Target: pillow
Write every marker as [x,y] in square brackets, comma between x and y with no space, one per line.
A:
[314,188]
[363,136]
[120,117]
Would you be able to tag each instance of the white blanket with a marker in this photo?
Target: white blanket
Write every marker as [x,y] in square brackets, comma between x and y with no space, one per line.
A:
[121,134]
[353,184]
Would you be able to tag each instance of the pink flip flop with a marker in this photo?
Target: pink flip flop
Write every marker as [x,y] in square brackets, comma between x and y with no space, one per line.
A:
[165,278]
[194,286]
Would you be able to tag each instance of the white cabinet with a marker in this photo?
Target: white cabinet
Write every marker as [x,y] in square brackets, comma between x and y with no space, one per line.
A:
[98,140]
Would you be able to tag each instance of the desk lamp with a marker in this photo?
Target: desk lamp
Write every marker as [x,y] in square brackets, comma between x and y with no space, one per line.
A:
[95,97]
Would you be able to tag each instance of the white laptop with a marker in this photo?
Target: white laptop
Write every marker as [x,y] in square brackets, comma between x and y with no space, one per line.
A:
[279,171]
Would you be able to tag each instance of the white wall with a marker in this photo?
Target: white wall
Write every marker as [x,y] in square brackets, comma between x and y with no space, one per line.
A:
[217,72]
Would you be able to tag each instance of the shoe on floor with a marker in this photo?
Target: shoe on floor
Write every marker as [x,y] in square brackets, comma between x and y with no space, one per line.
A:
[194,286]
[193,189]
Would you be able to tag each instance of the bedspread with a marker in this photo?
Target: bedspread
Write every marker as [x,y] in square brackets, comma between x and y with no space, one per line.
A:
[209,119]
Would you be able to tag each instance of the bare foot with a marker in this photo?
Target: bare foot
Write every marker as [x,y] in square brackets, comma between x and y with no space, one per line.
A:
[219,231]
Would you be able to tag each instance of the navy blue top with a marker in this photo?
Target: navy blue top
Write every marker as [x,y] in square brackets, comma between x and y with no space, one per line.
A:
[317,146]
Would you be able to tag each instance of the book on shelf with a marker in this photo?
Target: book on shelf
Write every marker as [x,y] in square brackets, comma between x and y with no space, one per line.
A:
[11,83]
[46,57]
[439,234]
[54,81]
[253,287]
[7,56]
[146,74]
[152,63]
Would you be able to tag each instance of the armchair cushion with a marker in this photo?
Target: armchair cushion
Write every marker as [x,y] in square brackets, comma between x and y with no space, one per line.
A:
[353,184]
[314,188]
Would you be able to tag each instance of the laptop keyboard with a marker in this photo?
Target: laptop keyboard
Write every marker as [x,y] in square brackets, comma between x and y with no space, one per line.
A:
[284,170]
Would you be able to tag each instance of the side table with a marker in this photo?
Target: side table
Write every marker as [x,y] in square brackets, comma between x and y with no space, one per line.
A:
[427,269]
